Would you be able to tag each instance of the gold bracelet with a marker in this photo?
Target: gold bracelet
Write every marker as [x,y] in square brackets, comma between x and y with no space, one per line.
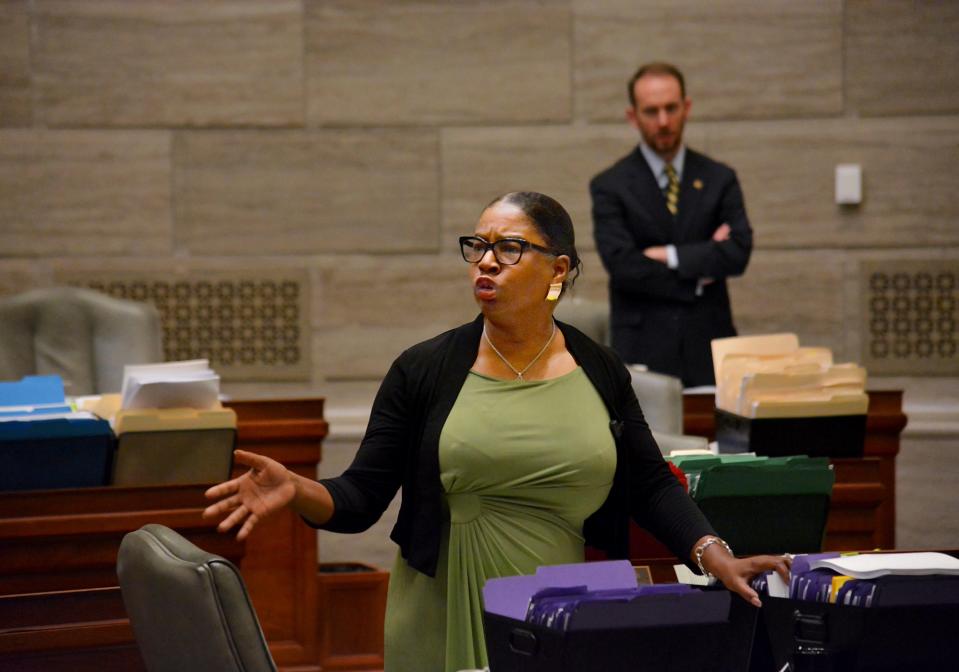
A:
[698,553]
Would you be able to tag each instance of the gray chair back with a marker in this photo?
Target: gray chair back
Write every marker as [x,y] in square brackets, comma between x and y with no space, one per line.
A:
[661,398]
[81,335]
[590,317]
[189,609]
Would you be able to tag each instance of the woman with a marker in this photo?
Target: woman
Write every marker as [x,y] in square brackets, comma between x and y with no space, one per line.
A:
[516,439]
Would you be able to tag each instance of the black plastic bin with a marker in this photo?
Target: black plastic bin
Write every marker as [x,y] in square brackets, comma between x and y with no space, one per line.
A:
[621,639]
[820,436]
[817,637]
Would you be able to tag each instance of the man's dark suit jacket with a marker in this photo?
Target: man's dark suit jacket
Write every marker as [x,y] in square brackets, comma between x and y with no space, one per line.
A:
[656,317]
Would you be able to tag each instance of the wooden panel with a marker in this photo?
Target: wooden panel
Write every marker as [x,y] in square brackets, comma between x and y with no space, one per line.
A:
[55,543]
[293,192]
[60,606]
[902,56]
[741,58]
[353,605]
[280,565]
[98,193]
[382,62]
[174,63]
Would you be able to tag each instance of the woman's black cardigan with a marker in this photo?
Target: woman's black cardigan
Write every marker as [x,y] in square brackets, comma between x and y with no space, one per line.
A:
[401,448]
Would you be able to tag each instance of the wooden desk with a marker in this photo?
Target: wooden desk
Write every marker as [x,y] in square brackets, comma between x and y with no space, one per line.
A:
[863,509]
[862,513]
[60,606]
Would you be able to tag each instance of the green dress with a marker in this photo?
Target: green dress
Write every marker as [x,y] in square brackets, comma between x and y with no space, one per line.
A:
[523,464]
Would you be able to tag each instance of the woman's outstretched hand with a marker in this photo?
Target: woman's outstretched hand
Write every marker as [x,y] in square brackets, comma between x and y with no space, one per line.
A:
[263,490]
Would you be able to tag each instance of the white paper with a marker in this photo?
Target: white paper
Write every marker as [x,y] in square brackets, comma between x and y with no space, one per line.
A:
[776,586]
[685,575]
[872,565]
[33,417]
[187,384]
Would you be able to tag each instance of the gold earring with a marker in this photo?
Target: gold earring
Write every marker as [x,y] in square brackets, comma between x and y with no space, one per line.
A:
[555,289]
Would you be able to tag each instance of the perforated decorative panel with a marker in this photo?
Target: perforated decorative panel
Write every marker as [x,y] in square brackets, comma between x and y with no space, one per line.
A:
[910,311]
[251,326]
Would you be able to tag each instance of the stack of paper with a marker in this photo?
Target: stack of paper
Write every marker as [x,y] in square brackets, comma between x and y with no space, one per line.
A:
[186,384]
[772,376]
[868,579]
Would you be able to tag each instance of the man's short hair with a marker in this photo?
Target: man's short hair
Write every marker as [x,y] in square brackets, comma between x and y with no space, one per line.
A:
[656,68]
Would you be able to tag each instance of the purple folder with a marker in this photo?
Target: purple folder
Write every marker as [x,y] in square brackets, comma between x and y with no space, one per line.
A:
[510,595]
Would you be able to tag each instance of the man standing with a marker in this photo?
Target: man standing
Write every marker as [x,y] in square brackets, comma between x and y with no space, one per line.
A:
[670,227]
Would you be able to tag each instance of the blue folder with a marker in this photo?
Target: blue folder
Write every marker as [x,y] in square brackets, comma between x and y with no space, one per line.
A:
[55,453]
[32,395]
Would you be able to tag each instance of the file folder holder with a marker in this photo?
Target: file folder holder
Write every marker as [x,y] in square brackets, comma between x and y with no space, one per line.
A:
[820,436]
[775,505]
[57,453]
[169,446]
[656,634]
[769,524]
[820,637]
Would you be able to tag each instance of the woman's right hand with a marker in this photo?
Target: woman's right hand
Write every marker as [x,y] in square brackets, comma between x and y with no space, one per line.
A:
[263,490]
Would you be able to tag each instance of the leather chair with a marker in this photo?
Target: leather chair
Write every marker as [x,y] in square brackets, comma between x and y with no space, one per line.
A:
[590,317]
[661,398]
[81,335]
[189,609]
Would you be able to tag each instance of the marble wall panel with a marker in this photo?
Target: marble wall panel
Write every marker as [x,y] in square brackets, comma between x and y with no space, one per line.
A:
[482,163]
[793,291]
[381,62]
[926,473]
[176,63]
[787,170]
[741,58]
[307,192]
[16,106]
[67,193]
[21,275]
[902,56]
[373,308]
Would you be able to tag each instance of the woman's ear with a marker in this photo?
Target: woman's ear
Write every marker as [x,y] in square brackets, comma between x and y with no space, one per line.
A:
[561,267]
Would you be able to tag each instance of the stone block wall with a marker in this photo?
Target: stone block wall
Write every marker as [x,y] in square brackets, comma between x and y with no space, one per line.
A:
[351,141]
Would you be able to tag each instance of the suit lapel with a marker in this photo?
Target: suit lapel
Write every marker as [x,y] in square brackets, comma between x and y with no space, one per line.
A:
[690,195]
[643,185]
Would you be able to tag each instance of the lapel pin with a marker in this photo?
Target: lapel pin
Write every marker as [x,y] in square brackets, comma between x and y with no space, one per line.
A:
[697,184]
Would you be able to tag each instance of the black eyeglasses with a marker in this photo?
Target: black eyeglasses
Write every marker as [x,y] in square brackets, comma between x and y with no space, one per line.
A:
[508,251]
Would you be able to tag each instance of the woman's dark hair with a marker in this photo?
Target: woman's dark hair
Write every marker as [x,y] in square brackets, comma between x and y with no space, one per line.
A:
[552,221]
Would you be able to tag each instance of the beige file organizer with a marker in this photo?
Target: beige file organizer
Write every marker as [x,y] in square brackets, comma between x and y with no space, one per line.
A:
[170,445]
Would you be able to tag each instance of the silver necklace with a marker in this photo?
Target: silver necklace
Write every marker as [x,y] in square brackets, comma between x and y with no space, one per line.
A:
[519,374]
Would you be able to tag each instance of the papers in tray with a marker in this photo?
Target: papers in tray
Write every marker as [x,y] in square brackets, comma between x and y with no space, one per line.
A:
[868,579]
[771,376]
[873,565]
[187,384]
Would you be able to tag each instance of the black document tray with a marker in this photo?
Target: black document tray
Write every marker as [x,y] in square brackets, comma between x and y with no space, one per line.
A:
[821,436]
[617,641]
[814,636]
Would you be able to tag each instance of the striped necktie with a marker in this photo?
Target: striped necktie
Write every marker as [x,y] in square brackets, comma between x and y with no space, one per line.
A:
[672,190]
